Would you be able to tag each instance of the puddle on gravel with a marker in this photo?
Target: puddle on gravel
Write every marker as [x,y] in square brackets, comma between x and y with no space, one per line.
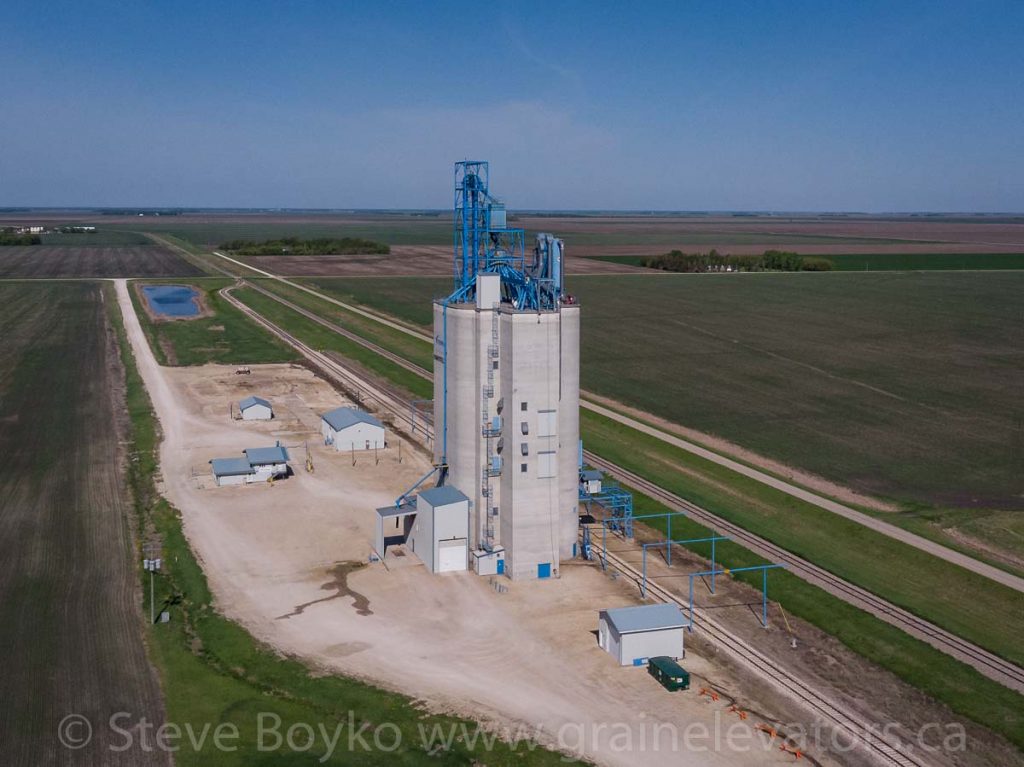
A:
[339,584]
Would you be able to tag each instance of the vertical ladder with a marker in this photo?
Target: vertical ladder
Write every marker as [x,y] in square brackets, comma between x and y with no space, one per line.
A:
[489,433]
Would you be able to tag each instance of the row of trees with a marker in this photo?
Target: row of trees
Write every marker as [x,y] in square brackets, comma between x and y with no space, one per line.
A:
[769,261]
[293,246]
[10,236]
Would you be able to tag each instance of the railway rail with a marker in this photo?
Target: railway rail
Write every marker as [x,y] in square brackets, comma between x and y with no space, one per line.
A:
[881,744]
[987,663]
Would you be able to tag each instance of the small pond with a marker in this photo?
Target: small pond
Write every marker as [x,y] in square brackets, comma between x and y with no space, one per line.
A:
[172,300]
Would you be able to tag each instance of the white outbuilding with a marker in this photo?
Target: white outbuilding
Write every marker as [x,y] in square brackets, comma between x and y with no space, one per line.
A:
[232,471]
[632,635]
[350,429]
[268,462]
[255,409]
[440,531]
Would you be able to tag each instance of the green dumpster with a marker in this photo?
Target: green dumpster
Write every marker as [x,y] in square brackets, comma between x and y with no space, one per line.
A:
[670,674]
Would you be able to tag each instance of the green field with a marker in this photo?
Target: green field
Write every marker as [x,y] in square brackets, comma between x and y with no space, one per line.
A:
[881,382]
[214,673]
[323,339]
[226,336]
[966,691]
[101,238]
[965,604]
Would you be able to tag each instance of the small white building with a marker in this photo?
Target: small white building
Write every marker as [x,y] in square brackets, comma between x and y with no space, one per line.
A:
[350,429]
[268,462]
[258,465]
[590,481]
[440,531]
[255,409]
[632,635]
[232,471]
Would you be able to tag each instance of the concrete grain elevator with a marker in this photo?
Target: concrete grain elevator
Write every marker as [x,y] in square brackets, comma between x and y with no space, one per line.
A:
[506,388]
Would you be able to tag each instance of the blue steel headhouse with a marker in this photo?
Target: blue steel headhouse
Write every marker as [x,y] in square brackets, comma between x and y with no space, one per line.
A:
[485,244]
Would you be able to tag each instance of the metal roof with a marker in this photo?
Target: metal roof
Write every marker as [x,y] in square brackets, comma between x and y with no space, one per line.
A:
[630,620]
[343,417]
[231,467]
[396,511]
[590,474]
[248,402]
[442,496]
[260,456]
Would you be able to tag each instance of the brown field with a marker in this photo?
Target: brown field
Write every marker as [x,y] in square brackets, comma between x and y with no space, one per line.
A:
[426,260]
[69,602]
[43,261]
[608,234]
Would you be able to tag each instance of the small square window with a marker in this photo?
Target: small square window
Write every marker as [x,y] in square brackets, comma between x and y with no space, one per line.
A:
[522,406]
[494,365]
[522,468]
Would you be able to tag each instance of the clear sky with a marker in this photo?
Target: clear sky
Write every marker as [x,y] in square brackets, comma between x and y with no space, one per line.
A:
[867,106]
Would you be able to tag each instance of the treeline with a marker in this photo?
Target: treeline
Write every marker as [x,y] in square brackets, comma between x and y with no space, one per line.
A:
[769,261]
[293,246]
[10,236]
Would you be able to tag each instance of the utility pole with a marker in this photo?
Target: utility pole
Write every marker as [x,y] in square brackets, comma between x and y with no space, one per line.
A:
[152,564]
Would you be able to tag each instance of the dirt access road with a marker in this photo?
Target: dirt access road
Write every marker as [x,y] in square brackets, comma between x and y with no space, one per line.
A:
[286,562]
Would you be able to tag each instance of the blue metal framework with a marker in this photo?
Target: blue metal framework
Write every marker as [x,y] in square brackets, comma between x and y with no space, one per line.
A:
[728,571]
[668,555]
[617,502]
[485,244]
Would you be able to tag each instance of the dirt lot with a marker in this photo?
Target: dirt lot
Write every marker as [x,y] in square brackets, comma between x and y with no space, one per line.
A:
[284,560]
[44,261]
[70,625]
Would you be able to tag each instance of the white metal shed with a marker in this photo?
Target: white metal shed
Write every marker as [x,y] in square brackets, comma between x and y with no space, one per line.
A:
[350,429]
[440,532]
[631,635]
[255,409]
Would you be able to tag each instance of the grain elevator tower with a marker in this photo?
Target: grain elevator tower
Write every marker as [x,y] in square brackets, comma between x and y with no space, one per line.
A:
[506,388]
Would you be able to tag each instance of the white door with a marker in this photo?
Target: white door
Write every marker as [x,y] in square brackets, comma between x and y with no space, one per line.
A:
[451,555]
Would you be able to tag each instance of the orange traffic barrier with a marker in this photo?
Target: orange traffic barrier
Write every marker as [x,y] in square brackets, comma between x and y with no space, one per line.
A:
[709,692]
[734,709]
[794,751]
[768,729]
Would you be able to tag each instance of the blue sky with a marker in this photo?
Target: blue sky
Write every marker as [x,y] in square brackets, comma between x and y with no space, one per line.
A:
[888,106]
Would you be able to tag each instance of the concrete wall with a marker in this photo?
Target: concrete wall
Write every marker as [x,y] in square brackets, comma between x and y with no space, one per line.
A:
[569,432]
[468,336]
[538,364]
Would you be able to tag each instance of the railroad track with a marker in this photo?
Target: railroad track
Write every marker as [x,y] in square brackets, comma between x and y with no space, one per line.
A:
[882,747]
[984,661]
[987,663]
